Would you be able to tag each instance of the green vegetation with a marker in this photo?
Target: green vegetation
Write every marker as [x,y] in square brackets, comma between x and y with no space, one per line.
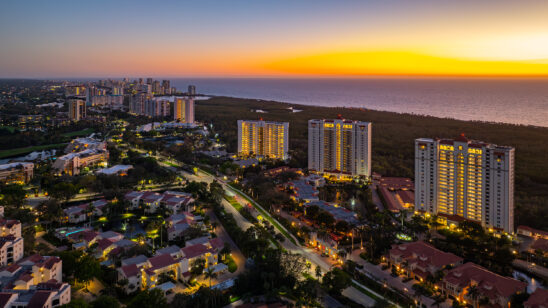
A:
[26,150]
[393,142]
[10,129]
[232,266]
[265,215]
[234,203]
[83,132]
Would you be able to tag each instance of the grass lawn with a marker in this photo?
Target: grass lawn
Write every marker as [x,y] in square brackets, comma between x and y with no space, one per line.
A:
[234,203]
[364,291]
[26,150]
[11,129]
[82,132]
[232,266]
[171,164]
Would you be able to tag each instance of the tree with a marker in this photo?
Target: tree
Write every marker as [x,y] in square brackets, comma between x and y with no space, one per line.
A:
[318,272]
[63,191]
[308,292]
[105,301]
[29,240]
[13,194]
[50,210]
[225,251]
[76,303]
[210,274]
[204,298]
[336,280]
[87,267]
[148,299]
[473,293]
[198,267]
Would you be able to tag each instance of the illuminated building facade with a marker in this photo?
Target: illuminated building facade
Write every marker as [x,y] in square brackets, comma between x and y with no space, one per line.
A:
[465,179]
[157,107]
[16,173]
[339,148]
[263,139]
[183,110]
[76,109]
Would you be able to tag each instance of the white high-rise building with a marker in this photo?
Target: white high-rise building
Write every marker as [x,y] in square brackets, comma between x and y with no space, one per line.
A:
[263,139]
[183,110]
[465,179]
[339,148]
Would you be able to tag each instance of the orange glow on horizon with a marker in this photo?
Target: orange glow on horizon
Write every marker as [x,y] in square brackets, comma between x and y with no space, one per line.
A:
[397,63]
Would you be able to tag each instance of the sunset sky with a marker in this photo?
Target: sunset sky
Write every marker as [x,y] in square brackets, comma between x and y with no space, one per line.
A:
[92,38]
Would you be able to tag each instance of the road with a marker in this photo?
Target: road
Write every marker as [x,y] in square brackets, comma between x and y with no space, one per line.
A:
[308,253]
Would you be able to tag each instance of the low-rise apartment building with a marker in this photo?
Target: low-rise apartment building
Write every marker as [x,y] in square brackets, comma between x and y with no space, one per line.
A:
[16,173]
[10,227]
[174,200]
[11,249]
[420,260]
[494,288]
[70,164]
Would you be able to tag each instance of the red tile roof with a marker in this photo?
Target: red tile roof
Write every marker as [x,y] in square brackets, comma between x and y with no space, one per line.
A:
[130,270]
[88,236]
[104,243]
[39,299]
[534,231]
[424,255]
[216,243]
[161,261]
[540,244]
[489,283]
[5,298]
[48,262]
[539,299]
[12,268]
[194,251]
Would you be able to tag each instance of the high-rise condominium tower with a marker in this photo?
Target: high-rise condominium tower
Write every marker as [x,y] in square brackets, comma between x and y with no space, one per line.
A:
[183,110]
[465,179]
[263,138]
[77,109]
[339,148]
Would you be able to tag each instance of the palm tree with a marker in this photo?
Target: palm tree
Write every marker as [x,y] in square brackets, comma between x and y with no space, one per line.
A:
[209,273]
[89,211]
[473,293]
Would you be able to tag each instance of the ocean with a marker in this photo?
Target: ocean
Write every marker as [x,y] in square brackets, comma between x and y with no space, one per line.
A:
[515,101]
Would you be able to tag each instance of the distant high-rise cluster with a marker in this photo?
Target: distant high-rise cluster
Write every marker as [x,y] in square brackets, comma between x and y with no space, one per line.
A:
[465,179]
[263,139]
[339,148]
[158,107]
[76,109]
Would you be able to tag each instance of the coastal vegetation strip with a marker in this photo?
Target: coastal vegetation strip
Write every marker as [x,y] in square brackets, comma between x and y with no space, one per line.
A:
[393,137]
